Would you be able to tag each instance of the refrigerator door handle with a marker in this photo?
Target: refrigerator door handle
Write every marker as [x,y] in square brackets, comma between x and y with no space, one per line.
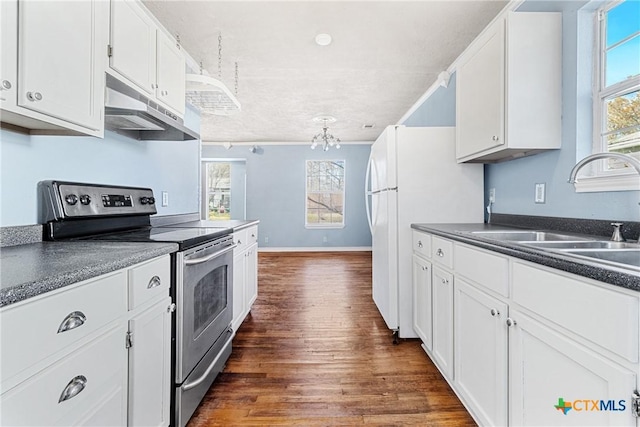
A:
[367,193]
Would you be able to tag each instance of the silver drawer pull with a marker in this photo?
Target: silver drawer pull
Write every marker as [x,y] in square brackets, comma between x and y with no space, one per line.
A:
[495,312]
[511,322]
[6,84]
[419,243]
[74,388]
[154,282]
[440,252]
[72,321]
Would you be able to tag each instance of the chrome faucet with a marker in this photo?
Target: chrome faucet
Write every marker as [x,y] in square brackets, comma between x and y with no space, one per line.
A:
[623,157]
[617,233]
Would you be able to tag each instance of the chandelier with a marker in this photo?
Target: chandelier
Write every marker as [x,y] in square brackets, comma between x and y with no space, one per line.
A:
[324,138]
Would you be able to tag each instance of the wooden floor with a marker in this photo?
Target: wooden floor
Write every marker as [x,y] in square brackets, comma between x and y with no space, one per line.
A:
[315,351]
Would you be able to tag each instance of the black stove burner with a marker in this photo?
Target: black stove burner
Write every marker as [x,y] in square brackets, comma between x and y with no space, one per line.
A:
[186,238]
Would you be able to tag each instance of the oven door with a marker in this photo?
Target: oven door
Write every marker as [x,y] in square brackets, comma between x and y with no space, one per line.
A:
[204,289]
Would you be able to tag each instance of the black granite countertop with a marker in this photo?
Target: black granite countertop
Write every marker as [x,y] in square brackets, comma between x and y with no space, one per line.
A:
[32,269]
[625,278]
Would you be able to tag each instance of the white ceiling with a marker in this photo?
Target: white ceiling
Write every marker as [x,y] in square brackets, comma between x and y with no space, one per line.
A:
[384,56]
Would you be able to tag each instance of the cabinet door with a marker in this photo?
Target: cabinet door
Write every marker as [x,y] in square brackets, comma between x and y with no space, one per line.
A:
[170,73]
[422,302]
[443,321]
[59,70]
[150,366]
[133,40]
[9,46]
[481,352]
[480,95]
[251,286]
[239,279]
[548,370]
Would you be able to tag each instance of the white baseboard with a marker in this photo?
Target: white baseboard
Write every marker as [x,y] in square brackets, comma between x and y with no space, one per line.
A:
[318,249]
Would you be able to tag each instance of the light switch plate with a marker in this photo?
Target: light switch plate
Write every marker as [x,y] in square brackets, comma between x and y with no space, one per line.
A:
[492,195]
[540,193]
[165,198]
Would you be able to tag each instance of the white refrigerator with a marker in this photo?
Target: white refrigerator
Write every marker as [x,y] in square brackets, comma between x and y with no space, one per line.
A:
[413,177]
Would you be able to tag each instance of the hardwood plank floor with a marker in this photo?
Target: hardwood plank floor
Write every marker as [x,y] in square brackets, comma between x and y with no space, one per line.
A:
[315,351]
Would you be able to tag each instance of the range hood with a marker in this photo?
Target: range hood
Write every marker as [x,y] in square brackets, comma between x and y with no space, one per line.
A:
[130,113]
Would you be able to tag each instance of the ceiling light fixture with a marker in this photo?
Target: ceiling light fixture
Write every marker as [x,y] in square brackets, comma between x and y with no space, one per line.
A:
[323,39]
[325,138]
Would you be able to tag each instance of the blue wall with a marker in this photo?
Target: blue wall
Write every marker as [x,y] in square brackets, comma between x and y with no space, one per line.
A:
[160,165]
[438,110]
[515,180]
[276,194]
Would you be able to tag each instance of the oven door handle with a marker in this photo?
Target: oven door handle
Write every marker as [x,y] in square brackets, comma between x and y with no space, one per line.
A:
[209,257]
[203,377]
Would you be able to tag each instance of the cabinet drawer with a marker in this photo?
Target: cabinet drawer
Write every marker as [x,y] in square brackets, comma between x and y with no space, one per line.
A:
[442,251]
[149,280]
[38,325]
[488,270]
[252,235]
[422,244]
[607,318]
[101,364]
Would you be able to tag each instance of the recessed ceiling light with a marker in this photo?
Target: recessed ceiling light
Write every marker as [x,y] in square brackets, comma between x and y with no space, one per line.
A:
[323,39]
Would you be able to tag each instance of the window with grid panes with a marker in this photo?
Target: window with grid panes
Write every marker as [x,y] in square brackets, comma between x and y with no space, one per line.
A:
[325,195]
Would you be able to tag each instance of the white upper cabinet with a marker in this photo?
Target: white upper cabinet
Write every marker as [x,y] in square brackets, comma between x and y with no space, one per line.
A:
[133,44]
[508,96]
[142,54]
[170,73]
[53,65]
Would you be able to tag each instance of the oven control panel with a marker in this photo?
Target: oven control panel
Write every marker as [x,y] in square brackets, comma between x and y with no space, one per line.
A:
[73,200]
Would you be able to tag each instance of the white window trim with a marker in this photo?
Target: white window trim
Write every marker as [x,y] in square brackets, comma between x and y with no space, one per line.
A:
[344,198]
[594,178]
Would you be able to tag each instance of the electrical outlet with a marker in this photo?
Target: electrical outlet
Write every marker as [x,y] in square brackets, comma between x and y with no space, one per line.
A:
[266,240]
[165,198]
[492,195]
[325,239]
[539,196]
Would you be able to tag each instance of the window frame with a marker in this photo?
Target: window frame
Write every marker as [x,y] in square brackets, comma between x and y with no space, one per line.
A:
[306,196]
[597,178]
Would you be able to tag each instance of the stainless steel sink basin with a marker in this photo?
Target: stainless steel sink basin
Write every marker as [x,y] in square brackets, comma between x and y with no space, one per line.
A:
[629,258]
[596,244]
[526,236]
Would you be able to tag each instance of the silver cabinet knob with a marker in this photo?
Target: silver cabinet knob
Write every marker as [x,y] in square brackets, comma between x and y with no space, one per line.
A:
[6,84]
[34,96]
[510,322]
[75,386]
[73,320]
[171,308]
[440,252]
[495,312]
[495,137]
[444,281]
[154,282]
[419,243]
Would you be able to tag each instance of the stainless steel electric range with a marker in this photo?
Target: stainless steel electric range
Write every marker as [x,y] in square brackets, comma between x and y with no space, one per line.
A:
[202,273]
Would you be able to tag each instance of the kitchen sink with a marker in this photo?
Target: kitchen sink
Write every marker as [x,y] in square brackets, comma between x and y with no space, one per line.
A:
[526,236]
[629,258]
[596,244]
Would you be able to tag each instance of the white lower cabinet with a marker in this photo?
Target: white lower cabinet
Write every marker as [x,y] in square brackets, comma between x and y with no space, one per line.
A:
[422,294]
[86,359]
[245,273]
[530,345]
[443,321]
[481,352]
[547,369]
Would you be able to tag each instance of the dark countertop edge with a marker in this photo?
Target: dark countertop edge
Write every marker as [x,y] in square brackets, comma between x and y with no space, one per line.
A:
[27,290]
[606,274]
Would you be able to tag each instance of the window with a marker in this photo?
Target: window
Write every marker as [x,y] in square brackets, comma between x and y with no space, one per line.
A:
[217,190]
[617,90]
[325,193]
